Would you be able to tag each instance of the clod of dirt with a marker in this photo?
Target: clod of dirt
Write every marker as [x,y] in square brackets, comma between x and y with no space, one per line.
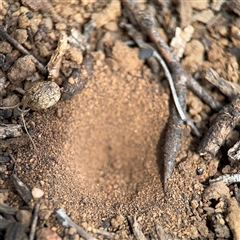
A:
[110,13]
[126,57]
[46,234]
[234,217]
[215,191]
[24,67]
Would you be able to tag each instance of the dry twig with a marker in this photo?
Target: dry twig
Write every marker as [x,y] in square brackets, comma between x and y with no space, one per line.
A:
[67,222]
[175,123]
[224,123]
[234,152]
[18,46]
[230,89]
[4,208]
[227,178]
[22,189]
[34,221]
[104,233]
[10,130]
[137,231]
[234,5]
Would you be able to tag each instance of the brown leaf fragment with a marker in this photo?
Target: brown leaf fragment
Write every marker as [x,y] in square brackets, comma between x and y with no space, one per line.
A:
[224,123]
[230,89]
[54,64]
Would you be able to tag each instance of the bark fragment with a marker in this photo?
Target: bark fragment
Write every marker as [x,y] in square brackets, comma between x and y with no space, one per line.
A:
[224,123]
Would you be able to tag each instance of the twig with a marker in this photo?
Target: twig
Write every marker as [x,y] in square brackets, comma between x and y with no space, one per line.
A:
[67,222]
[224,123]
[234,5]
[104,233]
[34,222]
[78,78]
[137,231]
[10,130]
[22,189]
[175,123]
[196,88]
[230,89]
[234,152]
[4,208]
[17,45]
[227,178]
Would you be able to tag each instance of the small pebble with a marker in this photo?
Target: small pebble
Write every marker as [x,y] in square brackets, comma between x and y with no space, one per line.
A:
[37,193]
[46,234]
[24,217]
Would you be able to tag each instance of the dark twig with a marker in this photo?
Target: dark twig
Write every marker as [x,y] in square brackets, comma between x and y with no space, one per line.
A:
[175,123]
[234,5]
[230,89]
[18,46]
[67,222]
[195,87]
[225,122]
[4,208]
[34,222]
[22,189]
[137,231]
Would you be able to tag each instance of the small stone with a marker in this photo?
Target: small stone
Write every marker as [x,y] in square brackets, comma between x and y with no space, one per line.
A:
[3,197]
[204,16]
[5,47]
[75,237]
[106,224]
[223,31]
[46,234]
[72,231]
[75,55]
[111,26]
[79,18]
[116,222]
[37,193]
[84,225]
[200,5]
[21,69]
[21,35]
[24,217]
[60,26]
[45,214]
[194,204]
[23,21]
